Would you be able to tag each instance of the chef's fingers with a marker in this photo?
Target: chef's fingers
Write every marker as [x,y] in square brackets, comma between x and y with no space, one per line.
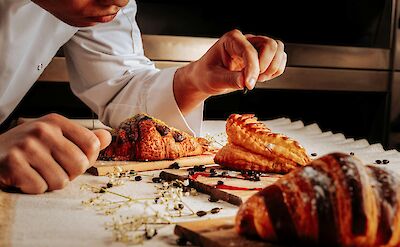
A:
[278,55]
[281,67]
[236,45]
[40,159]
[104,137]
[267,49]
[70,157]
[22,175]
[85,139]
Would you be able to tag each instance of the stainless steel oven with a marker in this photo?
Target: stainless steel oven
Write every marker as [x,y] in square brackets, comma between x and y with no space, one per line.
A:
[343,68]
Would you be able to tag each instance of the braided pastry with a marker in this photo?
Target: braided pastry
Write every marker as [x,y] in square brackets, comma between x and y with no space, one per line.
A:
[252,146]
[145,138]
[334,201]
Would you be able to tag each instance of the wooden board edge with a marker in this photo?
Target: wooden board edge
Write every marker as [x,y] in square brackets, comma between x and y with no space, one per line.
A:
[218,232]
[204,188]
[101,168]
[185,231]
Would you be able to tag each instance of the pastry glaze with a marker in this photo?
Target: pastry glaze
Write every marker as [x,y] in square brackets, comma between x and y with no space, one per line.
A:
[252,146]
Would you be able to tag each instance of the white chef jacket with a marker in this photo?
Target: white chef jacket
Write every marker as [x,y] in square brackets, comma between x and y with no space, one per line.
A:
[106,64]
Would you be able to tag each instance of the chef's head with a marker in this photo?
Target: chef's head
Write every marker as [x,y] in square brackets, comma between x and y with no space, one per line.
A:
[83,13]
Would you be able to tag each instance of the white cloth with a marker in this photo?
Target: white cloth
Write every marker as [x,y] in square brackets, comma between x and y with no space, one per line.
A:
[106,63]
[37,218]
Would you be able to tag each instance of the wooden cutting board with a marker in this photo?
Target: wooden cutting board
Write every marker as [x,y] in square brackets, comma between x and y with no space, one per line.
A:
[215,233]
[209,185]
[102,168]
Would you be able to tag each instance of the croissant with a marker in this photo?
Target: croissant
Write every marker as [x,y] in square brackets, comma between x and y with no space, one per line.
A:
[334,201]
[252,146]
[146,138]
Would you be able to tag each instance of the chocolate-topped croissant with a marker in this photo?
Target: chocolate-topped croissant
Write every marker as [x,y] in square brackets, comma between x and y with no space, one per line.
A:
[334,201]
[145,138]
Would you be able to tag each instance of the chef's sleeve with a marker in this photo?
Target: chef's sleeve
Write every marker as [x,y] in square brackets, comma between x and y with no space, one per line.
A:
[110,73]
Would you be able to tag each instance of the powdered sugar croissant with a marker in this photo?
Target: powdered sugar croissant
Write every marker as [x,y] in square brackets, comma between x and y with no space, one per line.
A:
[252,146]
[333,201]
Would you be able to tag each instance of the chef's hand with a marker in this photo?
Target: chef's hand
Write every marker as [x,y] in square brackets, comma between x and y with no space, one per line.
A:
[47,153]
[235,61]
[83,13]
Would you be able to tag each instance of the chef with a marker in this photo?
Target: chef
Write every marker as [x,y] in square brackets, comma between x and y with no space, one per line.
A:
[109,72]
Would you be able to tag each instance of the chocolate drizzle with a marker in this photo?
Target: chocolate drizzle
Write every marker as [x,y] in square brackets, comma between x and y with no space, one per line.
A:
[355,189]
[324,196]
[132,129]
[280,216]
[386,187]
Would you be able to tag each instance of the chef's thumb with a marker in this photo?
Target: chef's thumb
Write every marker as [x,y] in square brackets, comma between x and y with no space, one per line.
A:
[104,137]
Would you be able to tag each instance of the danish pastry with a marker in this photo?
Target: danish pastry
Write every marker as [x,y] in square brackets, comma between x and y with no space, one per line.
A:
[252,146]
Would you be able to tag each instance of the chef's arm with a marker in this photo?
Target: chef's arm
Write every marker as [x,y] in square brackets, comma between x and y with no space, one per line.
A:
[234,62]
[110,73]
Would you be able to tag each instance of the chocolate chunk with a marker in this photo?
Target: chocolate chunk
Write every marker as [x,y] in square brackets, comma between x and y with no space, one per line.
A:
[178,136]
[162,129]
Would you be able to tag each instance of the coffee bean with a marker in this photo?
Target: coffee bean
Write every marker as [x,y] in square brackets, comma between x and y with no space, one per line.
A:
[213,199]
[174,165]
[215,210]
[201,213]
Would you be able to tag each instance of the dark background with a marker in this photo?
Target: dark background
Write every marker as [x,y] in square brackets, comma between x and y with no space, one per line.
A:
[341,22]
[361,23]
